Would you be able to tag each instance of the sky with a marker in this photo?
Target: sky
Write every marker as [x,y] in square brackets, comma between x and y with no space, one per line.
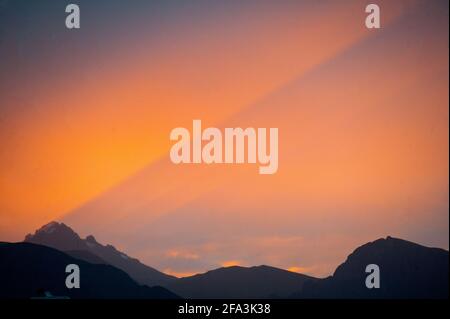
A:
[85,119]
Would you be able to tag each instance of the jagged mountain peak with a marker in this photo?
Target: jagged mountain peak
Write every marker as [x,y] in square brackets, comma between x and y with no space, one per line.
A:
[54,226]
[51,228]
[91,239]
[56,235]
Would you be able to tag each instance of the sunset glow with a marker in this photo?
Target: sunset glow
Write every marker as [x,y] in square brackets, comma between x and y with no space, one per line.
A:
[362,120]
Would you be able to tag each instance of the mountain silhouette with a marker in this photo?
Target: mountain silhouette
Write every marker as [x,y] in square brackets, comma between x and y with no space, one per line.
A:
[29,270]
[407,270]
[240,282]
[63,238]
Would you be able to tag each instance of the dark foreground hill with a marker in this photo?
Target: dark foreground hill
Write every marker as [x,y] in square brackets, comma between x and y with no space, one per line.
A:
[407,270]
[27,270]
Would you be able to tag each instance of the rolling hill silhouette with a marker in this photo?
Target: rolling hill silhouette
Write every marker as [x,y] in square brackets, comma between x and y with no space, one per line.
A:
[407,270]
[27,270]
[240,282]
[62,237]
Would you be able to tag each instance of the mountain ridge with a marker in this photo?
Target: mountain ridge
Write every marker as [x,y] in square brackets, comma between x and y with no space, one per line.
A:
[408,270]
[255,282]
[62,237]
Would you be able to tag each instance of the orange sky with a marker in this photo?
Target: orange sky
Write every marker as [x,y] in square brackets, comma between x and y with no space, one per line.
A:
[362,117]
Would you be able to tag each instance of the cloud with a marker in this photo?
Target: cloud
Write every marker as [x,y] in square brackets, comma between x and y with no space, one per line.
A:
[176,254]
